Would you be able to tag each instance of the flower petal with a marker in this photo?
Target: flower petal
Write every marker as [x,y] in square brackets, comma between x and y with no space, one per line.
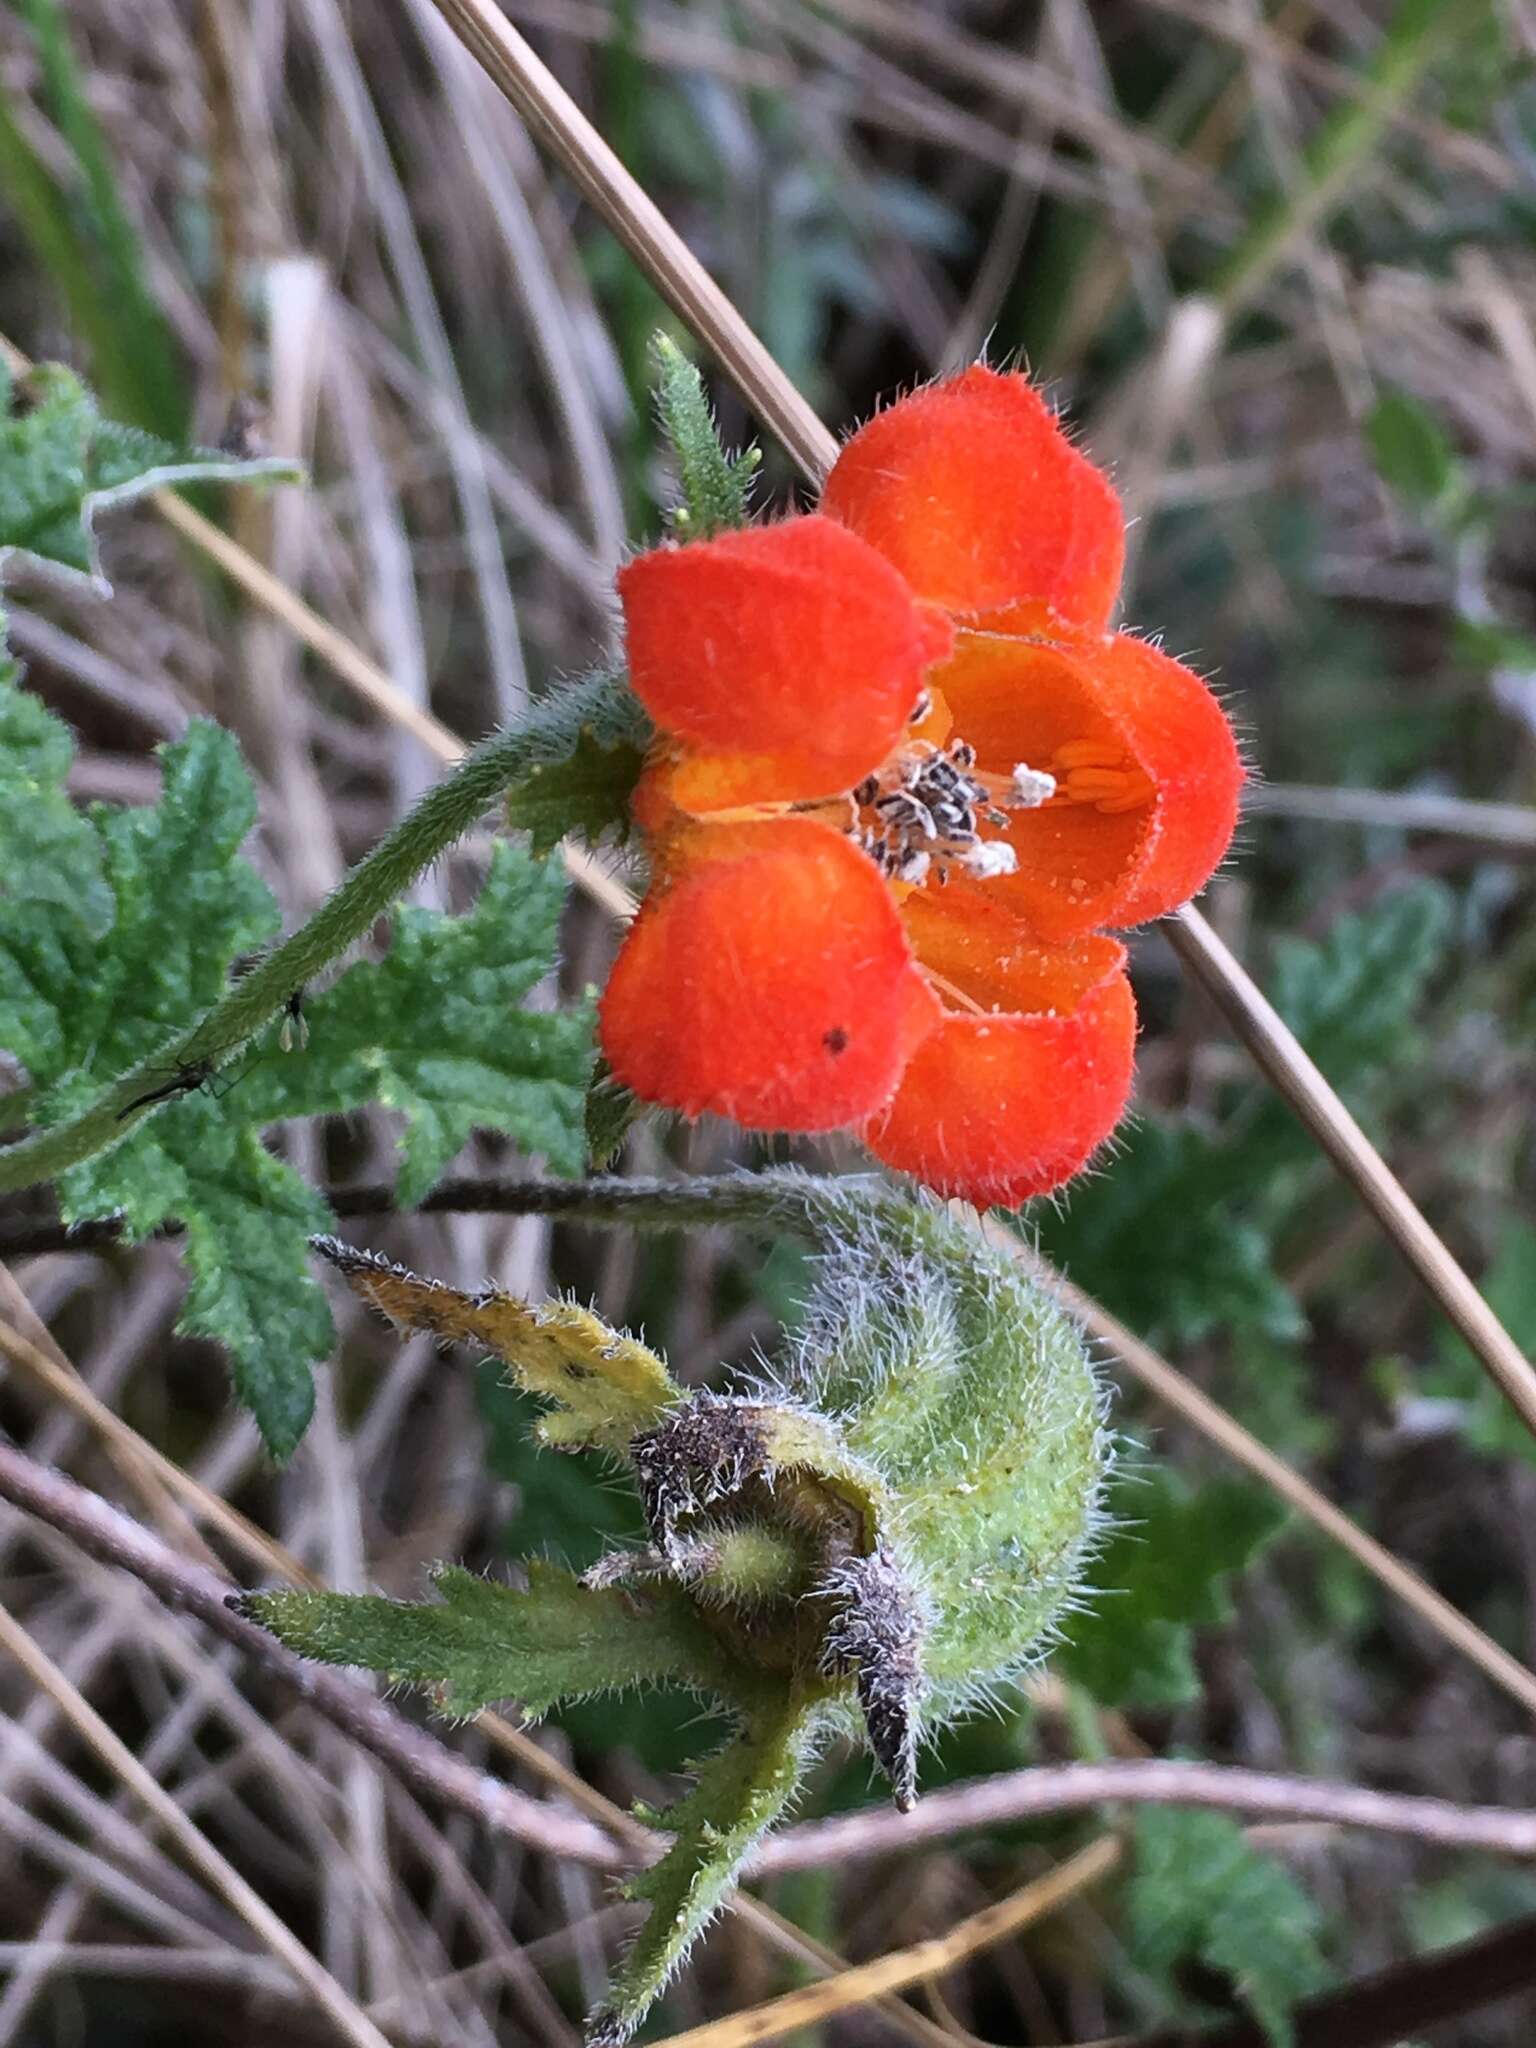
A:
[767,979]
[977,496]
[996,1108]
[1184,740]
[1083,865]
[984,957]
[795,645]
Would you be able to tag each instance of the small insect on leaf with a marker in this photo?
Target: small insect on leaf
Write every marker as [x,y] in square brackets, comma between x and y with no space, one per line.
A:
[293,1033]
[605,1386]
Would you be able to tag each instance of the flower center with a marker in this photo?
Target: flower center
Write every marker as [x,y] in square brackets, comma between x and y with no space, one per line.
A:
[919,816]
[920,813]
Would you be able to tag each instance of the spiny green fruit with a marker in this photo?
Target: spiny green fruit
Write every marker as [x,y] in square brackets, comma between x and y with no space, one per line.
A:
[870,1542]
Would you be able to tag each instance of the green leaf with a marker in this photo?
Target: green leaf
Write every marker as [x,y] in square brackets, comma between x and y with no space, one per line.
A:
[482,1642]
[1352,998]
[62,461]
[1269,1386]
[249,1218]
[186,902]
[561,1640]
[82,997]
[117,932]
[1199,1891]
[435,1030]
[121,930]
[1175,1186]
[1412,451]
[715,486]
[587,747]
[740,1793]
[1164,1574]
[48,853]
[586,794]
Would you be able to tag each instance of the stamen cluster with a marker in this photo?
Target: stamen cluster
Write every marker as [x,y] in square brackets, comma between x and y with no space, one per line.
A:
[928,805]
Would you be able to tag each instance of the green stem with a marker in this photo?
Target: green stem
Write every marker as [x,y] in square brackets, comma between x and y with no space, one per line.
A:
[776,1200]
[443,816]
[779,1202]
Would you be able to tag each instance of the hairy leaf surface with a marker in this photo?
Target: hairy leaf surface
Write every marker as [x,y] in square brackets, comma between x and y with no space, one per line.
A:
[586,747]
[436,1030]
[118,930]
[715,486]
[606,1386]
[741,1791]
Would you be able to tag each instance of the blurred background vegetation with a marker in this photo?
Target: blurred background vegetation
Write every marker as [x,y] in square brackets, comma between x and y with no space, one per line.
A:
[1278,264]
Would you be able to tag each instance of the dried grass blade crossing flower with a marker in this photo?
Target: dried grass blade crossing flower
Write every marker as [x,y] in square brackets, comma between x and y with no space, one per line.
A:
[688,288]
[640,225]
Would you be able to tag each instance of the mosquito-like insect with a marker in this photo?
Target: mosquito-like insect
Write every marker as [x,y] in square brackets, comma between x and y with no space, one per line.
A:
[189,1075]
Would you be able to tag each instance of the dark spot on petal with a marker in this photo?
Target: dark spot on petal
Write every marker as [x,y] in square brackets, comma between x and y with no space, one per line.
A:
[835,1040]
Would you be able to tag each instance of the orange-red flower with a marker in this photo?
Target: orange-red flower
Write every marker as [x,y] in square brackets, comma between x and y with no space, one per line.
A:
[905,779]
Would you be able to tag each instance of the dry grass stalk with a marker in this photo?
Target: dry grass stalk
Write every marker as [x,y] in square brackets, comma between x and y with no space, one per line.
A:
[346,660]
[349,2021]
[1212,1420]
[896,1972]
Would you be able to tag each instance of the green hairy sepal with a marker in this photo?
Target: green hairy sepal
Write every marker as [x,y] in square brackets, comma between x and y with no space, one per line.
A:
[870,1541]
[714,487]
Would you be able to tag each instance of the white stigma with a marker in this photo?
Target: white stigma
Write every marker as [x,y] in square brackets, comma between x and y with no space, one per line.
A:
[989,858]
[1032,787]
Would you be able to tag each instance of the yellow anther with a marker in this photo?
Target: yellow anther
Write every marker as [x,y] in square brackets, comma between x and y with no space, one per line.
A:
[1098,772]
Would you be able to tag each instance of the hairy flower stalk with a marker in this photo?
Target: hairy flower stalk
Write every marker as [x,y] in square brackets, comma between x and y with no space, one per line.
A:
[865,1543]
